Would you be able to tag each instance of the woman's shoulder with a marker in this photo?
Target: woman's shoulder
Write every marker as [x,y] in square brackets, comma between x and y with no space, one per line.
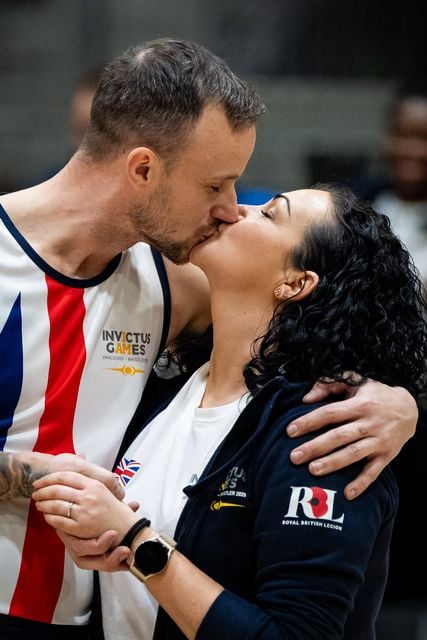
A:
[283,402]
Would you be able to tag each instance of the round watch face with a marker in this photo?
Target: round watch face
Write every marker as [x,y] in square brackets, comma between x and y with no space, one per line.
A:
[151,557]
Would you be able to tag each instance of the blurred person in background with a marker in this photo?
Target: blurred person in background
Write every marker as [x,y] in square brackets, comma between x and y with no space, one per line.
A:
[81,104]
[78,113]
[401,190]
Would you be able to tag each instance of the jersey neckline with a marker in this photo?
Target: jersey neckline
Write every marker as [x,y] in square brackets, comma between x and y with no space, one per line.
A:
[78,283]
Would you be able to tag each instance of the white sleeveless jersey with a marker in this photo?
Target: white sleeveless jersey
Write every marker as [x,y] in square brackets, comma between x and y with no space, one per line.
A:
[75,356]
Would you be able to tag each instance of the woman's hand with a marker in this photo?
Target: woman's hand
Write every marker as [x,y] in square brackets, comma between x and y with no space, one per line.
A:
[81,507]
[376,421]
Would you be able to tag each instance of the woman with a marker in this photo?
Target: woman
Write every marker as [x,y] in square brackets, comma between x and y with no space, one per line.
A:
[312,285]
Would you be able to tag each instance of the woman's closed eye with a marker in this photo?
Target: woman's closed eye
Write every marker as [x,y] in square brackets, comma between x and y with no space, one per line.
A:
[268,213]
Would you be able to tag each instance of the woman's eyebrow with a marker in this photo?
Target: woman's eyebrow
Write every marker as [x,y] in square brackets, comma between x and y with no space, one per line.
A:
[282,195]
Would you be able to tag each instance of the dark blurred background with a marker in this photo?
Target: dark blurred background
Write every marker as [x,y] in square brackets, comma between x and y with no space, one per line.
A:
[327,70]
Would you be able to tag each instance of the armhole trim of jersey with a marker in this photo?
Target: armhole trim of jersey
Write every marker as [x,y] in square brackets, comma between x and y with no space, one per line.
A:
[164,282]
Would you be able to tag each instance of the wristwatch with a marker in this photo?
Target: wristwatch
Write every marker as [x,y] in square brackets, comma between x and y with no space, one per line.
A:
[152,556]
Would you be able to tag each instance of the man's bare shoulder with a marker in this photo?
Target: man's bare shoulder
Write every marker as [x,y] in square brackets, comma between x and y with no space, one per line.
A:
[190,299]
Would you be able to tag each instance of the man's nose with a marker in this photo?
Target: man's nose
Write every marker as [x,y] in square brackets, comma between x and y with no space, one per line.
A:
[227,211]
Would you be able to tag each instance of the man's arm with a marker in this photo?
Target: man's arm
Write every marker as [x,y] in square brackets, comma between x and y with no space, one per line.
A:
[18,471]
[190,298]
[375,422]
[17,474]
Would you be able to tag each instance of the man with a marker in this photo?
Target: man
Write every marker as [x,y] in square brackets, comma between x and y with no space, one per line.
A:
[171,131]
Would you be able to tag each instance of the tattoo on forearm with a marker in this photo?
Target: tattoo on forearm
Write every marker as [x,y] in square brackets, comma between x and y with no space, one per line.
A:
[16,477]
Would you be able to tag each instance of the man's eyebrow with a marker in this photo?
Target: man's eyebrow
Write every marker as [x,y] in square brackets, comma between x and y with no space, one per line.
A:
[282,195]
[222,178]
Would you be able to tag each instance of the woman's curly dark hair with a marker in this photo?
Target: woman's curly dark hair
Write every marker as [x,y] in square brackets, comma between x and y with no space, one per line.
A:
[367,314]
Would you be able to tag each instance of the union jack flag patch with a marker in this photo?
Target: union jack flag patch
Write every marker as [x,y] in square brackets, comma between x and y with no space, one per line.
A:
[126,469]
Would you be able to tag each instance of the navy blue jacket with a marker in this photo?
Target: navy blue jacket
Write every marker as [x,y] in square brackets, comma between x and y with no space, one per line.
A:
[297,560]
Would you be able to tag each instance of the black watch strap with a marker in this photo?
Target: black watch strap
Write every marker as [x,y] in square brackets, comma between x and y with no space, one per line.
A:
[133,531]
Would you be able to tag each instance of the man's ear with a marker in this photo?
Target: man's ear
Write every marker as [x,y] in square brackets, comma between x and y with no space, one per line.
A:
[143,166]
[297,285]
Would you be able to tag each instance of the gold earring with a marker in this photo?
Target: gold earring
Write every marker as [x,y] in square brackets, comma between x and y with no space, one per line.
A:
[277,292]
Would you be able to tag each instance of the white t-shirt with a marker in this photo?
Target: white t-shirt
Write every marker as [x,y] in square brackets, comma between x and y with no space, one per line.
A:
[168,455]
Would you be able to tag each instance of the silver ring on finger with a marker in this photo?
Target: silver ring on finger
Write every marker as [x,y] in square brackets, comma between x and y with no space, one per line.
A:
[70,506]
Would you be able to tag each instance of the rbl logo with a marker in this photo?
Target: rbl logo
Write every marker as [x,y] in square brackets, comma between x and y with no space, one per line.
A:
[315,503]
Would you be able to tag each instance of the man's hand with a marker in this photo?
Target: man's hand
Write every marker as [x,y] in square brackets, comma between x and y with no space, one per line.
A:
[96,553]
[376,420]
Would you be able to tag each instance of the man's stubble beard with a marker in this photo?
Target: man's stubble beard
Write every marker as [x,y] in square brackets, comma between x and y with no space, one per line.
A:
[151,224]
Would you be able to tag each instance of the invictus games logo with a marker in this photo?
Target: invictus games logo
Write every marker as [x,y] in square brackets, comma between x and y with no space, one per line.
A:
[131,343]
[313,506]
[126,346]
[232,491]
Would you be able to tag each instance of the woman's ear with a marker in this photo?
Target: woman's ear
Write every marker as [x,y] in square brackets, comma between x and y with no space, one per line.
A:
[297,285]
